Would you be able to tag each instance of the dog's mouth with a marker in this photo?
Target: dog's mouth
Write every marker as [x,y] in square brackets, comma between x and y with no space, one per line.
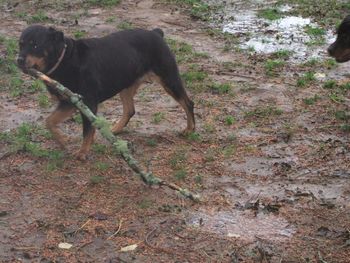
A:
[31,62]
[342,59]
[25,69]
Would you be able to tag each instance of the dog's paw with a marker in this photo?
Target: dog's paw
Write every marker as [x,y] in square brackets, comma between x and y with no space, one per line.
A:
[186,132]
[116,129]
[80,155]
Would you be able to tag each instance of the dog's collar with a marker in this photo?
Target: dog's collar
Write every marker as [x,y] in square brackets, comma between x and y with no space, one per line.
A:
[58,61]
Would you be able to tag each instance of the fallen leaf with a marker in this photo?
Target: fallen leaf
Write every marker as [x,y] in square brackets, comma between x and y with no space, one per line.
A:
[233,235]
[64,245]
[128,248]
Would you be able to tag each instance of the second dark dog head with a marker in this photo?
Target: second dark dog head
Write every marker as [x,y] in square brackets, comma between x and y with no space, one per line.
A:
[340,49]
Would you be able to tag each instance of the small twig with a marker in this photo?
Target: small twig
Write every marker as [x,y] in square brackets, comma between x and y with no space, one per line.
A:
[76,231]
[148,235]
[116,232]
[85,244]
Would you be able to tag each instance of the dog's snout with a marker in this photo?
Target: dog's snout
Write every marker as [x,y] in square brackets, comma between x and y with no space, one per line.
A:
[330,50]
[20,60]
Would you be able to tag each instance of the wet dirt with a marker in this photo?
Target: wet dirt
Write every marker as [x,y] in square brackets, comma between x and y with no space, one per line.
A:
[267,192]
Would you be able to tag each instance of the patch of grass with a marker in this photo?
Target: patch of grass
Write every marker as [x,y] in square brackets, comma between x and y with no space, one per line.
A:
[197,8]
[337,97]
[158,117]
[39,17]
[270,14]
[209,128]
[306,79]
[37,85]
[178,159]
[110,19]
[311,100]
[194,136]
[330,84]
[102,166]
[8,61]
[272,67]
[229,120]
[184,52]
[232,137]
[221,88]
[195,79]
[145,203]
[229,150]
[103,3]
[79,34]
[198,179]
[124,25]
[282,54]
[314,31]
[316,42]
[326,12]
[43,100]
[26,138]
[96,179]
[330,63]
[16,86]
[312,62]
[345,128]
[342,115]
[180,174]
[263,112]
[152,142]
[210,154]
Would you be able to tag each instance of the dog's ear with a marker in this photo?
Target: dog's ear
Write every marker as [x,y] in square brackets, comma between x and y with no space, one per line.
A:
[55,34]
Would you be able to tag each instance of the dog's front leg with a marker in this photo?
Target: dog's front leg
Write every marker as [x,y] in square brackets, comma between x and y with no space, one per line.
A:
[88,133]
[63,111]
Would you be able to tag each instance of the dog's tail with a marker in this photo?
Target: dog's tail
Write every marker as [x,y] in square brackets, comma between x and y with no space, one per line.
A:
[159,31]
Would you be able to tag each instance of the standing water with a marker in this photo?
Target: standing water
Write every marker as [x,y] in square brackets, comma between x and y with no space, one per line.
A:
[285,32]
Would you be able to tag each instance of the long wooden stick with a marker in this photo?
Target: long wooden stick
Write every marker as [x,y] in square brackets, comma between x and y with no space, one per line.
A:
[102,125]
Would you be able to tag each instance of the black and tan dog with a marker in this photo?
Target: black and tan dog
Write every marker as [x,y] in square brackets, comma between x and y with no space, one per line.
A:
[98,69]
[340,49]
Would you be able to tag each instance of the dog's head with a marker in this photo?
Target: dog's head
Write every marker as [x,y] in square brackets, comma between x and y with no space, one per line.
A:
[40,48]
[340,49]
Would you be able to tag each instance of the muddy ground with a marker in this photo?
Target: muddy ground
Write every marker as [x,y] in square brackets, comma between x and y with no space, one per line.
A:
[270,158]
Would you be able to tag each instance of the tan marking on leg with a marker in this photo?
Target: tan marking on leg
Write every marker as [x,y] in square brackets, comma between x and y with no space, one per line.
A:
[56,117]
[190,116]
[85,147]
[127,98]
[36,62]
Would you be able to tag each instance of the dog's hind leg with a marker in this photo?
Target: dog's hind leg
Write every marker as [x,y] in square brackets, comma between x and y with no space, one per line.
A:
[63,111]
[173,85]
[127,98]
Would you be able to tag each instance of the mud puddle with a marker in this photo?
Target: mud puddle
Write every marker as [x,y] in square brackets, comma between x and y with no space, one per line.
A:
[243,225]
[288,33]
